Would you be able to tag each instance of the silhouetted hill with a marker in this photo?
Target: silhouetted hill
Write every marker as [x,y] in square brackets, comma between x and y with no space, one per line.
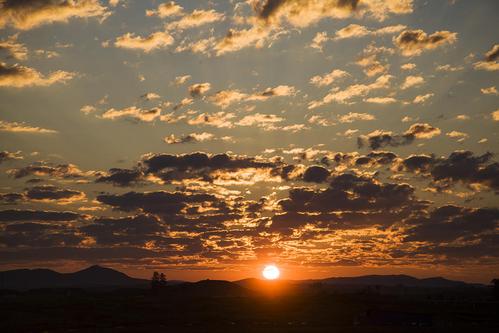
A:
[91,277]
[101,277]
[392,281]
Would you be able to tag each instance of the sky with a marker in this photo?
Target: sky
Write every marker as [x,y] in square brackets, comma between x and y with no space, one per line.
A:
[206,139]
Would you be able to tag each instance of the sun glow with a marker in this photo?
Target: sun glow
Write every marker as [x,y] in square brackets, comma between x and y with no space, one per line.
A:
[271,272]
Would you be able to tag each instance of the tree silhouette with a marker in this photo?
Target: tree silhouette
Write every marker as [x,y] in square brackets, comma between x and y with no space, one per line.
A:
[158,280]
[495,286]
[162,280]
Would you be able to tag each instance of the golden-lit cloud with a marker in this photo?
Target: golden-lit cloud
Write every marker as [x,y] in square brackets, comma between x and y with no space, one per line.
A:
[357,31]
[19,76]
[132,112]
[13,48]
[190,138]
[357,90]
[412,81]
[197,18]
[414,42]
[29,14]
[328,78]
[156,40]
[166,9]
[354,116]
[14,127]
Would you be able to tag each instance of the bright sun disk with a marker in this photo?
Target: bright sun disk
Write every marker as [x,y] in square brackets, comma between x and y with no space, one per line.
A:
[271,272]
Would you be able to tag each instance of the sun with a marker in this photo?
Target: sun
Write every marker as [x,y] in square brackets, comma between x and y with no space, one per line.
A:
[271,272]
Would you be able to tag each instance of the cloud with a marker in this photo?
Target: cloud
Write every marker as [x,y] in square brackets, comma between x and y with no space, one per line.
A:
[161,202]
[354,116]
[184,102]
[414,42]
[156,40]
[7,156]
[316,174]
[180,80]
[449,68]
[345,96]
[490,60]
[218,119]
[225,98]
[166,9]
[319,40]
[19,76]
[260,120]
[43,169]
[190,138]
[37,215]
[236,40]
[422,98]
[460,166]
[13,127]
[14,49]
[197,18]
[457,135]
[203,46]
[122,177]
[412,81]
[134,113]
[28,14]
[492,54]
[45,193]
[327,79]
[357,31]
[351,201]
[302,13]
[381,100]
[449,223]
[199,89]
[379,139]
[489,91]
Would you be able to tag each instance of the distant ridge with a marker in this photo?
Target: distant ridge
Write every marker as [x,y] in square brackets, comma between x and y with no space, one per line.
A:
[102,277]
[392,280]
[91,277]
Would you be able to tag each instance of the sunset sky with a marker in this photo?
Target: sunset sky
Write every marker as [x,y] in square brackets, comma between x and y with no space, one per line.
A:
[206,139]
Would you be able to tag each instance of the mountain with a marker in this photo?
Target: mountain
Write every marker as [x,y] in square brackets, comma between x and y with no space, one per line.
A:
[391,281]
[91,277]
[102,277]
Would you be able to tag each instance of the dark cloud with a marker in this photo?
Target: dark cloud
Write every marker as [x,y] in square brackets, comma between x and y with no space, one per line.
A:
[49,192]
[198,165]
[413,42]
[380,139]
[376,158]
[38,235]
[463,166]
[6,156]
[350,200]
[136,230]
[492,54]
[44,169]
[37,215]
[166,203]
[12,197]
[450,223]
[122,177]
[199,89]
[316,174]
[417,163]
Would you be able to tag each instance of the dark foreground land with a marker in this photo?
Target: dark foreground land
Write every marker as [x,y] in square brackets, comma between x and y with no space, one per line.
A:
[218,306]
